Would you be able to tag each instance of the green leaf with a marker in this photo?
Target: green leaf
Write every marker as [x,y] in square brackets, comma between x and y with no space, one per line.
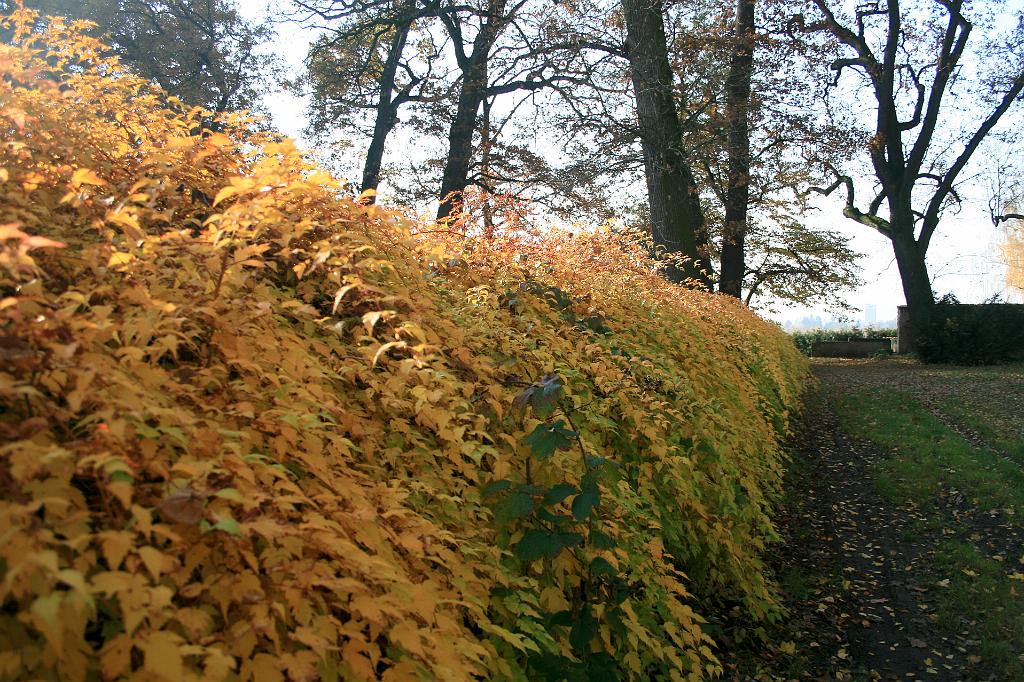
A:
[144,430]
[557,521]
[546,395]
[536,544]
[47,607]
[495,487]
[583,630]
[561,619]
[601,667]
[558,493]
[229,526]
[595,323]
[540,543]
[602,540]
[600,566]
[557,298]
[229,494]
[546,438]
[585,502]
[512,507]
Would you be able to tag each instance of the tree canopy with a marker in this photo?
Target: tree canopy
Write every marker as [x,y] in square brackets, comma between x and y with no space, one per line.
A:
[201,51]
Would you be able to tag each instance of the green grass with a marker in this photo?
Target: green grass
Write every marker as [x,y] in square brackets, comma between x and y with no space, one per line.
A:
[1001,439]
[929,458]
[982,601]
[975,597]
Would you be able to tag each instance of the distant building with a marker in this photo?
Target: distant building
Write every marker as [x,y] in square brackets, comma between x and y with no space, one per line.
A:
[870,315]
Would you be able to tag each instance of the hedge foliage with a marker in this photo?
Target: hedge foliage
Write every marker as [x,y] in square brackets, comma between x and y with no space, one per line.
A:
[973,334]
[804,340]
[254,430]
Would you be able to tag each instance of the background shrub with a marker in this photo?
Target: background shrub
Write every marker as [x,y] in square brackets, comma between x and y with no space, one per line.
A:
[804,340]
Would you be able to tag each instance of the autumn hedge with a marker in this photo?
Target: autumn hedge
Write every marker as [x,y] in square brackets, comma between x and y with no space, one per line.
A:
[255,430]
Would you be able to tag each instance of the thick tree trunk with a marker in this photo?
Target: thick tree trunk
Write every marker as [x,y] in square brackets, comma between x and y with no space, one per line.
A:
[471,96]
[917,286]
[737,105]
[387,113]
[676,216]
[460,139]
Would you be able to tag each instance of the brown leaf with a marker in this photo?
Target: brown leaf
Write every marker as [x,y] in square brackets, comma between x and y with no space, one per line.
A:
[185,506]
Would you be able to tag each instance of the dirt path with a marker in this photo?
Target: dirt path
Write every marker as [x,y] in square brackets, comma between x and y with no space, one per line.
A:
[859,550]
[855,568]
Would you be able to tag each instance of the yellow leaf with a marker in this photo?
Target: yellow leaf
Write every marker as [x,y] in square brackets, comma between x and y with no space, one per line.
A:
[115,657]
[47,607]
[340,295]
[17,116]
[162,656]
[128,222]
[4,175]
[119,258]
[153,560]
[31,181]
[237,186]
[385,348]
[225,193]
[218,140]
[86,176]
[218,664]
[115,545]
[371,319]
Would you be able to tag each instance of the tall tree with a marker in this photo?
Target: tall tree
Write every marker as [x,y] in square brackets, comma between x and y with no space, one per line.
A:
[360,65]
[912,58]
[737,195]
[472,56]
[791,264]
[201,51]
[531,59]
[677,220]
[760,162]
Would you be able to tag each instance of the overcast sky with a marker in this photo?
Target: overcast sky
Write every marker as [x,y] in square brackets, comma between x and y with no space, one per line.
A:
[963,258]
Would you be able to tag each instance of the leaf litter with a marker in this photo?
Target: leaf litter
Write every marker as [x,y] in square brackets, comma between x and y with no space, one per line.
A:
[857,571]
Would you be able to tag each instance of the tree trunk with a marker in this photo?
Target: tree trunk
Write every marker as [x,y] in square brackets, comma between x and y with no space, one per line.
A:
[460,140]
[387,113]
[485,163]
[737,105]
[917,286]
[676,216]
[471,96]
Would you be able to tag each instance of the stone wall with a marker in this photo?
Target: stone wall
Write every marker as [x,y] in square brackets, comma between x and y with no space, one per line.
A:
[859,348]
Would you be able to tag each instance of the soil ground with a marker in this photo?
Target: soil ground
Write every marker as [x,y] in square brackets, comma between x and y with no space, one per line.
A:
[884,577]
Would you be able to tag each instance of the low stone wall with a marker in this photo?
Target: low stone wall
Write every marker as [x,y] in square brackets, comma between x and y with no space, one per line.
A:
[858,348]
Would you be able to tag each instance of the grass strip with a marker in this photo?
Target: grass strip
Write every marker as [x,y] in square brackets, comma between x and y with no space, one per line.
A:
[979,597]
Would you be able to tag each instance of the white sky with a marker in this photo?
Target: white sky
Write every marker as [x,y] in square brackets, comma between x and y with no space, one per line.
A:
[963,257]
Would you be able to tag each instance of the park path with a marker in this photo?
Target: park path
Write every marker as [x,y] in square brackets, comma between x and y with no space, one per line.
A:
[853,565]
